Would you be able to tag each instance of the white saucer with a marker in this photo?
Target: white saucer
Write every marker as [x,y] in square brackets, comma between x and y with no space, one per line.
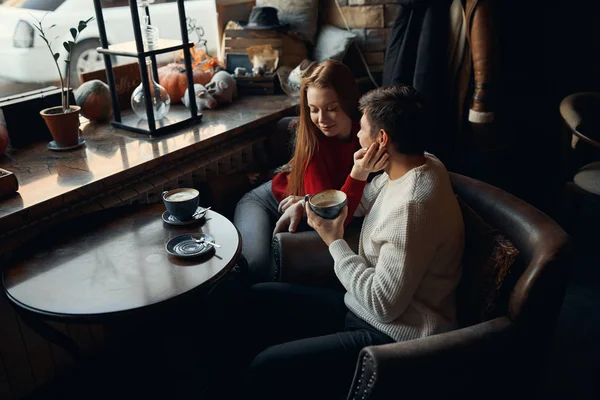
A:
[171,220]
[53,146]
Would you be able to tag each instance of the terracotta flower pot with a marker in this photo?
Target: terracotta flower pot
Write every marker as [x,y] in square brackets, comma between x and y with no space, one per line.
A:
[64,127]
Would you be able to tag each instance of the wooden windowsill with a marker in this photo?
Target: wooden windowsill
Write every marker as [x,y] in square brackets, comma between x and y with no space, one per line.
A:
[50,180]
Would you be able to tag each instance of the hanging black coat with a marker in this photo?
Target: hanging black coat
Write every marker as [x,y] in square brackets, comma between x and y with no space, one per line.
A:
[417,55]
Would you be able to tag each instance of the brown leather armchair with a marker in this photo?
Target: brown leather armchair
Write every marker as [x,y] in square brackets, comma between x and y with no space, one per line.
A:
[499,357]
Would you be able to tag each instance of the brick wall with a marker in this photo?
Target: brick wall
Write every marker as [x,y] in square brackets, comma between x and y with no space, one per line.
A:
[370,20]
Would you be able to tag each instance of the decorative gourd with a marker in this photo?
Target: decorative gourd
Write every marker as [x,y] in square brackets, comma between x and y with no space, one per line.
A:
[173,77]
[3,139]
[94,99]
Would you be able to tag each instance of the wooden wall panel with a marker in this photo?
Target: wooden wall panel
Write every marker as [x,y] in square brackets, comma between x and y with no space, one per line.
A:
[97,335]
[61,358]
[81,334]
[5,392]
[5,387]
[40,356]
[14,352]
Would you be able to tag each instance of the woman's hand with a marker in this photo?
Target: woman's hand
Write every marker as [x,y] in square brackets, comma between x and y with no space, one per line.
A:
[290,219]
[287,202]
[373,159]
[330,230]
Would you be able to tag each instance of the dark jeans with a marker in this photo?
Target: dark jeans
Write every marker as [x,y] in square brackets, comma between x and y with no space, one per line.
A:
[300,342]
[255,217]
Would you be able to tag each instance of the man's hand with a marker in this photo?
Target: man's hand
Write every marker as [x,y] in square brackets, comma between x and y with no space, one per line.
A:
[290,219]
[330,230]
[287,202]
[373,159]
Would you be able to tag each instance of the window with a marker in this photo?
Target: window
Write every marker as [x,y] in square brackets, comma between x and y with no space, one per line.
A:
[42,5]
[27,64]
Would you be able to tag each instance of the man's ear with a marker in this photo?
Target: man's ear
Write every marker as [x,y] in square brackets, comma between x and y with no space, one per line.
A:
[383,138]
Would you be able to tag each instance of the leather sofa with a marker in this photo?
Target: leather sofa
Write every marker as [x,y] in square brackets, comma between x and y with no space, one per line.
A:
[497,357]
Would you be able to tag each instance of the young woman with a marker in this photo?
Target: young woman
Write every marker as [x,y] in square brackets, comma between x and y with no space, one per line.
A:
[325,144]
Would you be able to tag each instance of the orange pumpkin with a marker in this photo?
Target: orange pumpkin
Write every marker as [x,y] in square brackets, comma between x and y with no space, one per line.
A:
[94,99]
[173,78]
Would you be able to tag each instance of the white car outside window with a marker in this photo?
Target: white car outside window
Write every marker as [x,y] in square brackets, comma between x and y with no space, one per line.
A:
[25,57]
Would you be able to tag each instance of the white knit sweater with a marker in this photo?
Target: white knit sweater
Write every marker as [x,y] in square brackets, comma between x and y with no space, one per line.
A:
[404,277]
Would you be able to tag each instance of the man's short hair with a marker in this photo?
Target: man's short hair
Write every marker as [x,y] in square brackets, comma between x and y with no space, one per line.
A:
[400,111]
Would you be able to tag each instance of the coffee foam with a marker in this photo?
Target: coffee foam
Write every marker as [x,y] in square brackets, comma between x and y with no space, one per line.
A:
[328,198]
[326,203]
[183,195]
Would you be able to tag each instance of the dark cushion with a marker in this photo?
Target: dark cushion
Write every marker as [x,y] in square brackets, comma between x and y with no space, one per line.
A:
[487,259]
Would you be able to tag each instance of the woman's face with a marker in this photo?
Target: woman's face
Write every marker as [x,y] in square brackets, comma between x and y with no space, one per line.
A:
[327,114]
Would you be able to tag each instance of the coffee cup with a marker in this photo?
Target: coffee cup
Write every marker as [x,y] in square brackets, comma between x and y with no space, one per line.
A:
[327,204]
[181,203]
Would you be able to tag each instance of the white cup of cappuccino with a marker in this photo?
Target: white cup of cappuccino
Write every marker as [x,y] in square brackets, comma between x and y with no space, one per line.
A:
[181,203]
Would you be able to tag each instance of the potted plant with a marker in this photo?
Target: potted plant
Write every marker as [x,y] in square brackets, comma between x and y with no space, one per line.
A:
[63,120]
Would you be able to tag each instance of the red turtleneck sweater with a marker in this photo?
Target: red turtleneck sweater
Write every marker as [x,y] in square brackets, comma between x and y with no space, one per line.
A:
[329,169]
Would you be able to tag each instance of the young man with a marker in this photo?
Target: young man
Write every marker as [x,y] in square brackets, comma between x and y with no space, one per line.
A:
[401,284]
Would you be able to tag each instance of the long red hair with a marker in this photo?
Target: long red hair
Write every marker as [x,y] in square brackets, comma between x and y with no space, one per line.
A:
[328,74]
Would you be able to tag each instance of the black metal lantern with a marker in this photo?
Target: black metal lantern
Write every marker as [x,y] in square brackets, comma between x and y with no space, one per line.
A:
[136,50]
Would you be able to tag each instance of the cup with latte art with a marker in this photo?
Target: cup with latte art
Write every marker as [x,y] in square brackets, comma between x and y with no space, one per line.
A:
[181,203]
[327,204]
